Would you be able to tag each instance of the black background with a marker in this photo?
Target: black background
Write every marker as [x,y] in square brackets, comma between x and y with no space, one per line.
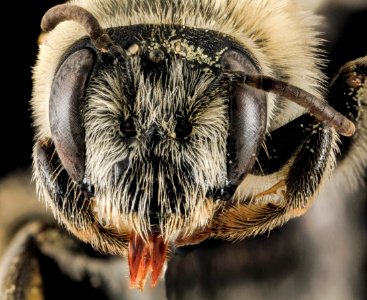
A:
[20,29]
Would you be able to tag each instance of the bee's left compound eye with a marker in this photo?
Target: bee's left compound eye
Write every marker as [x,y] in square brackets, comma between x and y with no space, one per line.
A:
[66,101]
[247,122]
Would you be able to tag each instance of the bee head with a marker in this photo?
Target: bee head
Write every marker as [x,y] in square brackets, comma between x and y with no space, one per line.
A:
[150,122]
[150,125]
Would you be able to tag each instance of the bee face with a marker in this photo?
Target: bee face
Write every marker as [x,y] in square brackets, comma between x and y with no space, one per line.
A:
[154,121]
[155,133]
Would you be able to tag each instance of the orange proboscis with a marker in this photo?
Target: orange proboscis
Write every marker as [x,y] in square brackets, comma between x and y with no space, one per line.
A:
[146,256]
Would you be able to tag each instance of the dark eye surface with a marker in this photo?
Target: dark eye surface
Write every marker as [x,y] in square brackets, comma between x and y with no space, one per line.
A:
[66,102]
[183,127]
[127,128]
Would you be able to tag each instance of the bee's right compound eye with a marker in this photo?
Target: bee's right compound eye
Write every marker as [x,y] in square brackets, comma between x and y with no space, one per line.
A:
[66,103]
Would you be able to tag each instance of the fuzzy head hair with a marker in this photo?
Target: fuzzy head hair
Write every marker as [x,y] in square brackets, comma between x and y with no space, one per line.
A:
[156,144]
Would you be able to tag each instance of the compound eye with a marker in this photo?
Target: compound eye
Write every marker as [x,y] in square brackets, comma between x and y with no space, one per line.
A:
[65,108]
[183,127]
[127,128]
[247,120]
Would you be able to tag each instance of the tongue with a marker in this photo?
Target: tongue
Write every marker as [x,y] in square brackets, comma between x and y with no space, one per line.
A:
[144,257]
